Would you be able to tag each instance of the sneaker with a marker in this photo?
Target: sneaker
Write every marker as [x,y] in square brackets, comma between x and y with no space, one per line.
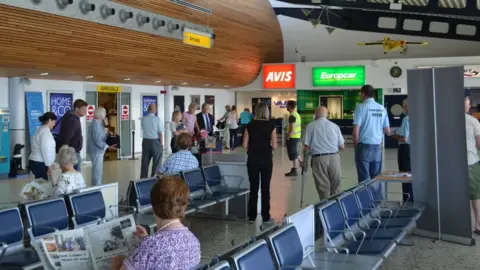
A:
[269,221]
[292,172]
[251,221]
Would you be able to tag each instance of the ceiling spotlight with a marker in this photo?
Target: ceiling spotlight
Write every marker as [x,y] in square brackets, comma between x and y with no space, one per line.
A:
[106,11]
[158,81]
[36,1]
[125,15]
[62,4]
[184,83]
[142,19]
[173,26]
[89,77]
[158,23]
[44,74]
[127,79]
[207,84]
[86,7]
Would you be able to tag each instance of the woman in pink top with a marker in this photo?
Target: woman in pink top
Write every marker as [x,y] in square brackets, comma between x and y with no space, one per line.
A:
[191,119]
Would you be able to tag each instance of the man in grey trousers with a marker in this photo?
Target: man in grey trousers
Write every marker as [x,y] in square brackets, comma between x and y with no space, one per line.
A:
[152,146]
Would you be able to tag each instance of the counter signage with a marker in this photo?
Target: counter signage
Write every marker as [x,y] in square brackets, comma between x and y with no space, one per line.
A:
[338,76]
[279,76]
[109,89]
[195,38]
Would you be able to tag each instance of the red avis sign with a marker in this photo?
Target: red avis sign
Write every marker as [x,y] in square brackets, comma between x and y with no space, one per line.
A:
[279,76]
[90,112]
[125,112]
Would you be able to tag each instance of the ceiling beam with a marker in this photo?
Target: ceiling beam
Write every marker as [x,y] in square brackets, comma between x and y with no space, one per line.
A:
[432,7]
[368,21]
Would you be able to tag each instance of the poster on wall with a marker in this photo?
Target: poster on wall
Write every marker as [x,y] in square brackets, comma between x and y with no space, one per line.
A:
[211,101]
[146,101]
[60,103]
[35,109]
[267,101]
[179,103]
[195,99]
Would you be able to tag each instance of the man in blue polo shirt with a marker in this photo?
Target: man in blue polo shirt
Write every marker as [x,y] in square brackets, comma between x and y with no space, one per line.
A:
[370,123]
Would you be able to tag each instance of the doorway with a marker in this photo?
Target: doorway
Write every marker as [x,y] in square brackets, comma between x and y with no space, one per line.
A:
[118,105]
[334,105]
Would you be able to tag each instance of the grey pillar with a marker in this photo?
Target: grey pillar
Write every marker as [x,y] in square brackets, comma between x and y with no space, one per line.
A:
[168,110]
[18,132]
[438,152]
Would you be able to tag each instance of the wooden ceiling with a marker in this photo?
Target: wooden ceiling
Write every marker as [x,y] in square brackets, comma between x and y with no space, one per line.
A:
[247,34]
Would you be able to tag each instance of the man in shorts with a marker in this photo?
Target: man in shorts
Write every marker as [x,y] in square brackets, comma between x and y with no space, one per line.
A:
[294,133]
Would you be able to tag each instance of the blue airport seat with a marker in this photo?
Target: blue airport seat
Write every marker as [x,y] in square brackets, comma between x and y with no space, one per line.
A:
[217,184]
[196,183]
[340,237]
[285,244]
[385,215]
[254,257]
[372,227]
[142,190]
[223,265]
[87,208]
[46,216]
[13,254]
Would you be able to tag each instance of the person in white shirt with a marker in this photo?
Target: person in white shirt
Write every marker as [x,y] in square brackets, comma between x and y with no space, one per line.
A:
[42,156]
[70,179]
[232,122]
[472,128]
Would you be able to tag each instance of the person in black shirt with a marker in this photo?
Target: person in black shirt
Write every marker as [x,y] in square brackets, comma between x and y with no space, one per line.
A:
[260,138]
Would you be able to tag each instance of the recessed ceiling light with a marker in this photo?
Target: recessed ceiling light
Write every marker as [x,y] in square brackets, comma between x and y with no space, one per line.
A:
[89,77]
[158,81]
[184,83]
[44,74]
[127,79]
[207,84]
[226,86]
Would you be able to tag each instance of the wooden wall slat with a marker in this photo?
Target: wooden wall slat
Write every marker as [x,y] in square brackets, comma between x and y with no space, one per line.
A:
[247,35]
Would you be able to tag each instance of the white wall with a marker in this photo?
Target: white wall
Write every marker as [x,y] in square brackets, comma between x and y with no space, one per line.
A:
[244,100]
[377,72]
[222,97]
[3,92]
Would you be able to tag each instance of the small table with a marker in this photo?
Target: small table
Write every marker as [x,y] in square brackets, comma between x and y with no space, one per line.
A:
[393,177]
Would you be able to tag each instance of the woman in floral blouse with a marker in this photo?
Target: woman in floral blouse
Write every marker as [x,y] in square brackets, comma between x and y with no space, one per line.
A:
[70,179]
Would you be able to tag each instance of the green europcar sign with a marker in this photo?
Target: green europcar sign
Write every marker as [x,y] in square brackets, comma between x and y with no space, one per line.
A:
[338,76]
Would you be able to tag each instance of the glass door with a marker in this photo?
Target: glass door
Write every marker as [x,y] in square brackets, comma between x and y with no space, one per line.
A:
[91,98]
[125,123]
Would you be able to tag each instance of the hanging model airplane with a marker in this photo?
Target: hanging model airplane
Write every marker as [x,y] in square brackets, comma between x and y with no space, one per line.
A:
[390,45]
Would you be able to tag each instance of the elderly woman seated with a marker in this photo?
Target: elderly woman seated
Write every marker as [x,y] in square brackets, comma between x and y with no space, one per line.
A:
[173,246]
[70,179]
[183,160]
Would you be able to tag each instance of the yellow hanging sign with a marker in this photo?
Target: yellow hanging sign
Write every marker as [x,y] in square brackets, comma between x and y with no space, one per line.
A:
[109,89]
[195,38]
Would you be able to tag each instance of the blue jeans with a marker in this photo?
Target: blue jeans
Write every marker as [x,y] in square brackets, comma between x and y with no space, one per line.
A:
[79,162]
[368,159]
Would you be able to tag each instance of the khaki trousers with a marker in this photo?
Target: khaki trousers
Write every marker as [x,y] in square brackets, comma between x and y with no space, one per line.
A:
[326,174]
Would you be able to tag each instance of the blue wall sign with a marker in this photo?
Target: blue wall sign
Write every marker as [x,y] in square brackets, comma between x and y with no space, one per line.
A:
[146,101]
[35,109]
[60,103]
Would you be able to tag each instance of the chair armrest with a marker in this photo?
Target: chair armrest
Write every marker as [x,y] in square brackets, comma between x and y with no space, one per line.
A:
[4,250]
[235,176]
[360,220]
[46,227]
[344,233]
[99,219]
[121,207]
[364,235]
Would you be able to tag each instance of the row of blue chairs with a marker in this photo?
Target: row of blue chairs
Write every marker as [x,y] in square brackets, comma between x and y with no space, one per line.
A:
[208,187]
[41,218]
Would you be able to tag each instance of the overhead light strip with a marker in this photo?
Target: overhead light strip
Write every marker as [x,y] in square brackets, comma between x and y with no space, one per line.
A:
[192,6]
[113,14]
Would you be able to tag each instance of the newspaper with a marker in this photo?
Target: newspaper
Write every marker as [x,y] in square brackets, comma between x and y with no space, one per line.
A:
[65,250]
[110,239]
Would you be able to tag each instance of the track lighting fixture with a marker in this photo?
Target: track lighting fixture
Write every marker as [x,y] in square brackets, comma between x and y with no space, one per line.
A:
[125,15]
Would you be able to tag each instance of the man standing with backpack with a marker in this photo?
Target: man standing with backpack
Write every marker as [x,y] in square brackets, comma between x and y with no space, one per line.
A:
[71,129]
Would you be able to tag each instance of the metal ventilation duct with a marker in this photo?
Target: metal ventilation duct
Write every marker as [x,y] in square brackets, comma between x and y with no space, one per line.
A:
[192,6]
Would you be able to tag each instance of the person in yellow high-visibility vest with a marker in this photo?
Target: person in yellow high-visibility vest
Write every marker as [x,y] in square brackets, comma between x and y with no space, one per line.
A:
[294,133]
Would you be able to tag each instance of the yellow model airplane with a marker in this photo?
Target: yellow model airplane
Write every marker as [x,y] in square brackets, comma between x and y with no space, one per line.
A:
[390,45]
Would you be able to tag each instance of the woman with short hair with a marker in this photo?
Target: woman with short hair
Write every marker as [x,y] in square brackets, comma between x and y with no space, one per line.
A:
[97,144]
[190,119]
[260,139]
[70,179]
[43,147]
[233,126]
[177,127]
[183,160]
[173,246]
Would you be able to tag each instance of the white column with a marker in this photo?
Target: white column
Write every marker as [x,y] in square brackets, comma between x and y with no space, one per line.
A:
[168,110]
[18,132]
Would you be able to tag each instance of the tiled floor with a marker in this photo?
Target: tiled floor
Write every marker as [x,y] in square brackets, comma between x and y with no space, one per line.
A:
[218,236]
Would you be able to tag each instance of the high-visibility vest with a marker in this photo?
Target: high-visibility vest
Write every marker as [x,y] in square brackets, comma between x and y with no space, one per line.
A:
[297,127]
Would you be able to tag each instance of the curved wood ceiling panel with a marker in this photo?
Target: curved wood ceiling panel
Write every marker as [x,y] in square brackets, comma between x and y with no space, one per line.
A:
[247,35]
